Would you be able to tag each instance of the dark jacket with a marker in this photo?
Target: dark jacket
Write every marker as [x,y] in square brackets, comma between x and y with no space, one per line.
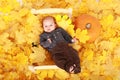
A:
[56,36]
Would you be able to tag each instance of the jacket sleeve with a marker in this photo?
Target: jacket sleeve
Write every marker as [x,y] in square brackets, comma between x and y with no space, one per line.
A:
[44,42]
[66,36]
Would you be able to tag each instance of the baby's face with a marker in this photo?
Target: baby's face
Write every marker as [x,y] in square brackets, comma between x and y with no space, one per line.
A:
[49,25]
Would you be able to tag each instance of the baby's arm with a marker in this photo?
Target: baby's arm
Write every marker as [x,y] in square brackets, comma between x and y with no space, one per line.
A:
[67,37]
[44,41]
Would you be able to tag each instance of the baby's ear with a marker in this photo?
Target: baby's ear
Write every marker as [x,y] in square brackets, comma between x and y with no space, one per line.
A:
[56,25]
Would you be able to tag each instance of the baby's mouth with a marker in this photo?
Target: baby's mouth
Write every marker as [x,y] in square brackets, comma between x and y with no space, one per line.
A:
[48,30]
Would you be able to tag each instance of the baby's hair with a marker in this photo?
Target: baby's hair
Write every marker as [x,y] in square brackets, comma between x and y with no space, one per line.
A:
[50,17]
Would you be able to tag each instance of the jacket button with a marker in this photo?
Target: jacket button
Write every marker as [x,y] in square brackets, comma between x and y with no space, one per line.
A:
[54,36]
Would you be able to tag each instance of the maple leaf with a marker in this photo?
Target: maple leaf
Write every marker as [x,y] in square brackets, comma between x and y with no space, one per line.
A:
[82,35]
[38,55]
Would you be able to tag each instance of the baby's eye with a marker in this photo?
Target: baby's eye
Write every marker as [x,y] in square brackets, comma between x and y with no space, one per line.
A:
[45,26]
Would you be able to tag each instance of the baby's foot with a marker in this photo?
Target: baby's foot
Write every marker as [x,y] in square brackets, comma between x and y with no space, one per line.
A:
[74,69]
[71,69]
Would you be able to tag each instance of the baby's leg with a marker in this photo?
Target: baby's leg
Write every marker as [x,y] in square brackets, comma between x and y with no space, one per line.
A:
[59,60]
[75,66]
[66,64]
[66,58]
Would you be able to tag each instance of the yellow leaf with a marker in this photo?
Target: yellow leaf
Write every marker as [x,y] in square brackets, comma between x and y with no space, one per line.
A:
[42,75]
[20,37]
[11,76]
[71,30]
[23,12]
[82,35]
[7,9]
[82,7]
[107,21]
[61,74]
[85,74]
[88,54]
[109,78]
[104,45]
[51,73]
[65,17]
[38,55]
[58,18]
[2,25]
[103,57]
[21,59]
[74,77]
[63,21]
[69,21]
[28,28]
[32,20]
[7,18]
[106,0]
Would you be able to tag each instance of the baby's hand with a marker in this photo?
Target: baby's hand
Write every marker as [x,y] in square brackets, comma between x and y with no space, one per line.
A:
[49,40]
[74,40]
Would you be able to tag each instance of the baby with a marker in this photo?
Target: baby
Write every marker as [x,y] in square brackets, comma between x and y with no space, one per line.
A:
[56,40]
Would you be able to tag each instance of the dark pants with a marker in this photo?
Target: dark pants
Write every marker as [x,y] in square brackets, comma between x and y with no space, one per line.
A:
[65,56]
